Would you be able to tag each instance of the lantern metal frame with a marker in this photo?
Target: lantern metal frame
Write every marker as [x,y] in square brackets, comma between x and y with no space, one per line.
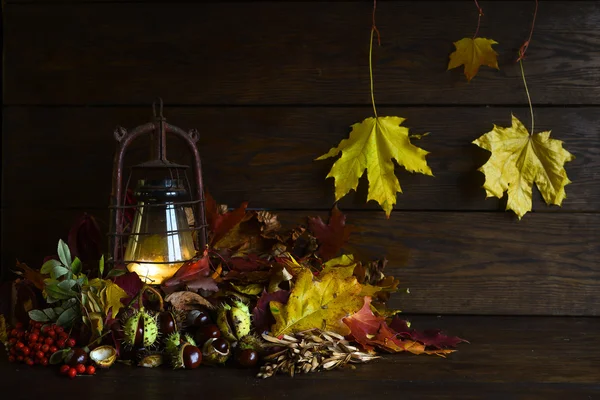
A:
[158,129]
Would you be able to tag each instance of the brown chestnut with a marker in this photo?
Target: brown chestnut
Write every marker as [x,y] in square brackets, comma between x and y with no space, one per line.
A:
[192,357]
[167,323]
[77,355]
[207,332]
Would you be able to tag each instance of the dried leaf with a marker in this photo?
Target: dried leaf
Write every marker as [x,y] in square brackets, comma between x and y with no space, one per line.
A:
[430,338]
[35,277]
[206,283]
[269,224]
[131,283]
[187,301]
[112,295]
[344,264]
[263,319]
[518,160]
[331,237]
[373,332]
[190,271]
[221,223]
[373,145]
[3,333]
[472,53]
[317,303]
[85,238]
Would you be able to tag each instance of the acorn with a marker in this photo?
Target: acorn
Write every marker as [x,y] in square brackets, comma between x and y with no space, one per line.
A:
[216,351]
[186,356]
[234,320]
[140,329]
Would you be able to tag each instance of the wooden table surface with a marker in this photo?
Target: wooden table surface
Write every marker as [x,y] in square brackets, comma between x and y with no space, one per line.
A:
[507,358]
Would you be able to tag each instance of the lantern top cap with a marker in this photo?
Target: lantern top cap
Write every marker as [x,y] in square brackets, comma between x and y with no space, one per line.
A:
[160,164]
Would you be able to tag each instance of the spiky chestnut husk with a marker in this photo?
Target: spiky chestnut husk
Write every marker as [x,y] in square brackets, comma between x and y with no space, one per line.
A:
[140,329]
[212,355]
[234,320]
[188,339]
[186,356]
[172,342]
[252,341]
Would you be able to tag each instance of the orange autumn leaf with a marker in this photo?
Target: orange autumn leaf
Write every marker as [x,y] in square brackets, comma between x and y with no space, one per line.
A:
[473,53]
[32,275]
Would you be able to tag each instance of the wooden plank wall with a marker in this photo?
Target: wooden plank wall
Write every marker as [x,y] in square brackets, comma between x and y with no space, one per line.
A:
[272,85]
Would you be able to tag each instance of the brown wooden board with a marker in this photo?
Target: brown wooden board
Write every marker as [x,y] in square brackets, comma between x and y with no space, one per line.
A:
[294,53]
[509,357]
[62,157]
[452,263]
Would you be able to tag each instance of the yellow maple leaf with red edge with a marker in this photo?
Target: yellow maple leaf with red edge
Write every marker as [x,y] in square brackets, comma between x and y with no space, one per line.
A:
[373,144]
[518,160]
[319,302]
[473,53]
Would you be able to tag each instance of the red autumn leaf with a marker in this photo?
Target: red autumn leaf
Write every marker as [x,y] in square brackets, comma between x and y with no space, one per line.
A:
[190,271]
[85,239]
[248,263]
[331,237]
[431,338]
[372,331]
[219,224]
[131,283]
[364,325]
[263,319]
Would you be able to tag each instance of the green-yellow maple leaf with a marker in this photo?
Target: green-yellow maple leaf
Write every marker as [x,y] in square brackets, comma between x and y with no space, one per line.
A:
[110,295]
[373,144]
[518,160]
[472,53]
[318,303]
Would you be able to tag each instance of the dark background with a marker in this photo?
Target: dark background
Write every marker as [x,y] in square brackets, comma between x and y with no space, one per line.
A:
[273,85]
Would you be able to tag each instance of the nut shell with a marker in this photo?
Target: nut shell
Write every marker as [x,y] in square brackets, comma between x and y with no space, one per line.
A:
[103,356]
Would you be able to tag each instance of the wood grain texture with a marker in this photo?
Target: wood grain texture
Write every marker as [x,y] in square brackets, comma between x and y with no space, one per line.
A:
[509,357]
[453,263]
[266,155]
[293,53]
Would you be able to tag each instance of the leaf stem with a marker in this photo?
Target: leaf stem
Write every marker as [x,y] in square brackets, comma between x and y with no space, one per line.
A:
[528,96]
[371,73]
[525,45]
[373,30]
[480,12]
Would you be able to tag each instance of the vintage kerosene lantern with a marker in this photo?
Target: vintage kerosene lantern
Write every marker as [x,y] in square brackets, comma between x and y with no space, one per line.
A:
[159,223]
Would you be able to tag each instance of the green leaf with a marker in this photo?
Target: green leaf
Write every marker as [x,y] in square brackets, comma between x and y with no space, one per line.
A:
[38,315]
[64,253]
[67,284]
[116,272]
[59,356]
[58,271]
[52,315]
[101,266]
[76,266]
[49,266]
[56,293]
[82,280]
[67,318]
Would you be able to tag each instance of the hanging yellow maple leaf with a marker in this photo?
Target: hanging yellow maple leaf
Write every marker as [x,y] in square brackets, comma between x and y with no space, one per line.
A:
[109,295]
[319,303]
[518,160]
[373,145]
[472,53]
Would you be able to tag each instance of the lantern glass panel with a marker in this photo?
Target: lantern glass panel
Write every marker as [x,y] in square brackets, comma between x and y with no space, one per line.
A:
[160,240]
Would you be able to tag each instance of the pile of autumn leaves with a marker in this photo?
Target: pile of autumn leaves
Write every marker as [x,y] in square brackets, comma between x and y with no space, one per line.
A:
[297,281]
